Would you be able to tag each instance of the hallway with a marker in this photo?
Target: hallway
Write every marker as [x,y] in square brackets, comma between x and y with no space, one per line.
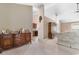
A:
[42,47]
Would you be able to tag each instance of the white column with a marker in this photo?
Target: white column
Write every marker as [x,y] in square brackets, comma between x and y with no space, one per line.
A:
[58,26]
[41,24]
[40,12]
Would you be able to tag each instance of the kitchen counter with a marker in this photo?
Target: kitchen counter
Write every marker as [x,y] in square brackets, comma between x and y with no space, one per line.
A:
[69,39]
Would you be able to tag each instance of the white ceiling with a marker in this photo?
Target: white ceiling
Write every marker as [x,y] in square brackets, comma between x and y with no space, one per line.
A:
[66,11]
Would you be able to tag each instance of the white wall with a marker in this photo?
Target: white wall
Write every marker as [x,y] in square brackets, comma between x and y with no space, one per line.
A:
[15,16]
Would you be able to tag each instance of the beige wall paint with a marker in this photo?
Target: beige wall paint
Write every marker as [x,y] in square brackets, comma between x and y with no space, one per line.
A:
[15,16]
[67,27]
[20,17]
[4,21]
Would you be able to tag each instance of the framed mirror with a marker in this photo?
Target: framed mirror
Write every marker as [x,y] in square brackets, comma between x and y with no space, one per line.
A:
[40,18]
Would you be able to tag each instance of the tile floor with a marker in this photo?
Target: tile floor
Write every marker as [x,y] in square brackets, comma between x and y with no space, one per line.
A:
[42,47]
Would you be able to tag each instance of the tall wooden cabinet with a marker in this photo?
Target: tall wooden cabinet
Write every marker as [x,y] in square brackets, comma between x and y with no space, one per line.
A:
[49,30]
